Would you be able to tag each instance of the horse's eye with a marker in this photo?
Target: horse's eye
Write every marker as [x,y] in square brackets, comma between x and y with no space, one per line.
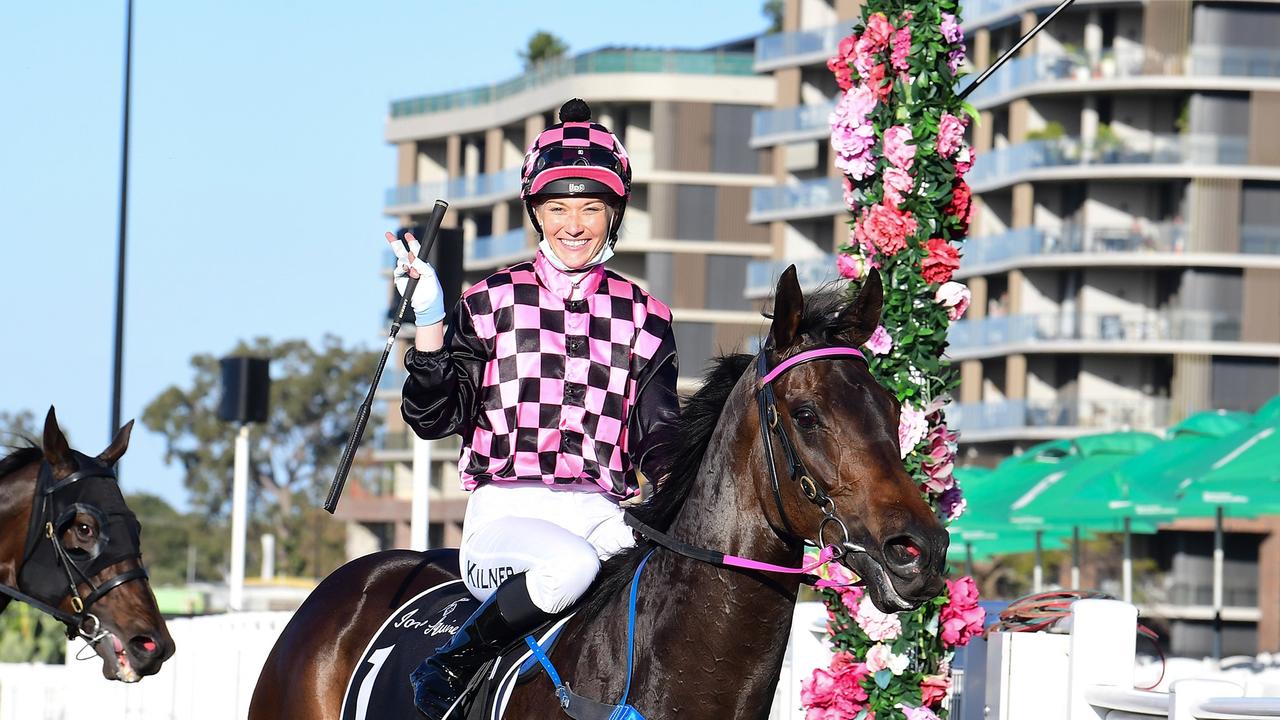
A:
[84,532]
[805,418]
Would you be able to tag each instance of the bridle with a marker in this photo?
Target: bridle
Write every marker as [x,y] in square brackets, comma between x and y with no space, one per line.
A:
[38,557]
[769,421]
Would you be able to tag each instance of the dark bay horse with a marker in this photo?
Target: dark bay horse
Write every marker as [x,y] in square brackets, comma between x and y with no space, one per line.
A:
[710,639]
[69,543]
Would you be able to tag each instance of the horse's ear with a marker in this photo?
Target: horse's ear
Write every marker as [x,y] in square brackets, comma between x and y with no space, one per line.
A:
[118,445]
[859,318]
[56,450]
[788,306]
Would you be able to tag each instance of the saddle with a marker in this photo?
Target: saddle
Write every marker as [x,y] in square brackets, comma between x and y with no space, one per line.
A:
[379,687]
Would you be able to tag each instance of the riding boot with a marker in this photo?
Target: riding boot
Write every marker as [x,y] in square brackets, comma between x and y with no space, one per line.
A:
[505,617]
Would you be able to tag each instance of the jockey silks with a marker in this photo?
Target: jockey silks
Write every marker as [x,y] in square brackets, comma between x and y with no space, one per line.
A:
[549,377]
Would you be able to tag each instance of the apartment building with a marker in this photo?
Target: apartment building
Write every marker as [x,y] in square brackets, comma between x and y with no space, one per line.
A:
[684,117]
[1125,250]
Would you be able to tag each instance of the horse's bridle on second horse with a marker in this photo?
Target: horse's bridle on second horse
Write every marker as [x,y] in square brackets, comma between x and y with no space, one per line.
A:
[49,572]
[769,421]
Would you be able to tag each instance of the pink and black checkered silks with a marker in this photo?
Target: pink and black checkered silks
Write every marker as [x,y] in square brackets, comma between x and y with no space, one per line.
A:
[548,389]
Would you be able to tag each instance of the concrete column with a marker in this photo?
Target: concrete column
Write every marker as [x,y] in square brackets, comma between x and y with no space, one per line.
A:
[981,48]
[501,218]
[1016,279]
[1015,377]
[471,158]
[984,133]
[978,298]
[493,150]
[1028,22]
[1019,118]
[971,381]
[1024,205]
[1190,387]
[1269,588]
[453,156]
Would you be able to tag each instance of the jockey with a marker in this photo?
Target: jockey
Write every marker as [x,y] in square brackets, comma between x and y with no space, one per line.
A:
[560,377]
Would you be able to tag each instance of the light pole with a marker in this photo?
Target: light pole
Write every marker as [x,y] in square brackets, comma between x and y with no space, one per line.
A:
[246,387]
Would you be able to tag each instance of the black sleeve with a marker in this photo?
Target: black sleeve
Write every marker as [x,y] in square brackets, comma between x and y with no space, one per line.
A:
[656,410]
[442,387]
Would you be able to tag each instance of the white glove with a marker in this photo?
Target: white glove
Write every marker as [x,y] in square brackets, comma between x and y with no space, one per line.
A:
[428,297]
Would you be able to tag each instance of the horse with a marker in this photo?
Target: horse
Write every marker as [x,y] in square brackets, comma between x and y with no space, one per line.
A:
[710,638]
[70,548]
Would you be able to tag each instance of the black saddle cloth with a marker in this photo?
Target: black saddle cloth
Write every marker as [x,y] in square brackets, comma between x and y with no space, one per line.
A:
[379,688]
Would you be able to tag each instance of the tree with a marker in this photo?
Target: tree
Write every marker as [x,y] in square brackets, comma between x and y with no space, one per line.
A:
[772,10]
[16,428]
[542,46]
[171,540]
[314,397]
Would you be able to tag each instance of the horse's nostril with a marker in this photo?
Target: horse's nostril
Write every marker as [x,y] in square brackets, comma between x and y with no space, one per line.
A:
[902,551]
[143,645]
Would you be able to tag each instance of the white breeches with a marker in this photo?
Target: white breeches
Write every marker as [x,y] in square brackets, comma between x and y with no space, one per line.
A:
[558,536]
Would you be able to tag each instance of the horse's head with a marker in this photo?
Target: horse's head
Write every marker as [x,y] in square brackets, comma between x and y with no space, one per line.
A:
[85,558]
[842,469]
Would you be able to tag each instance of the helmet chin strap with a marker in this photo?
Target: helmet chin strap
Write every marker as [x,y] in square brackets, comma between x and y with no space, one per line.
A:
[606,252]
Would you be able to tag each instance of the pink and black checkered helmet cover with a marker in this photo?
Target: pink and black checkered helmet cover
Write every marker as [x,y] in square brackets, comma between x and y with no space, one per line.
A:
[576,149]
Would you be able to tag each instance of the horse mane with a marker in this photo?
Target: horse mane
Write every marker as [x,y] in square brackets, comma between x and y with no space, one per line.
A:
[20,457]
[687,443]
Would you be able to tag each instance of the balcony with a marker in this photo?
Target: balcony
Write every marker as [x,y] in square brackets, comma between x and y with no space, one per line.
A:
[671,62]
[494,250]
[818,197]
[1000,168]
[801,47]
[1260,239]
[1020,74]
[990,420]
[467,191]
[802,122]
[391,384]
[993,335]
[813,273]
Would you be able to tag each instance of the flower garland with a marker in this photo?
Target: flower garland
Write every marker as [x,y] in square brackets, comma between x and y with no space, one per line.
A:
[897,134]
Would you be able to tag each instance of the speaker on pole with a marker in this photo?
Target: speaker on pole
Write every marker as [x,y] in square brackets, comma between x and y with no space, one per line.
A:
[246,389]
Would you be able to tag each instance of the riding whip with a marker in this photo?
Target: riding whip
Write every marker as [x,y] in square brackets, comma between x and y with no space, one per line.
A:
[1016,47]
[362,415]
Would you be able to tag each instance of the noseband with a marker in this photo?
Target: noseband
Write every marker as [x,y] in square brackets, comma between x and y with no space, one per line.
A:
[41,560]
[769,421]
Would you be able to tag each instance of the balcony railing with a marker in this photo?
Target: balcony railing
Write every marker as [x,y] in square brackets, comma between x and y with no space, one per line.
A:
[813,273]
[1171,149]
[779,48]
[677,62]
[1133,62]
[1093,413]
[470,187]
[808,198]
[801,121]
[490,247]
[1260,239]
[1179,325]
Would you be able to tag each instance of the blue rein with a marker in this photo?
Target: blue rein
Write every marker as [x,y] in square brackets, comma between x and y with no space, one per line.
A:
[581,708]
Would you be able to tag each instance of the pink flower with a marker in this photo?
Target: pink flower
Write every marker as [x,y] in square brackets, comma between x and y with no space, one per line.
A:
[850,199]
[880,343]
[942,261]
[955,59]
[954,297]
[897,147]
[852,134]
[901,48]
[920,713]
[877,625]
[881,657]
[941,477]
[912,427]
[897,182]
[950,134]
[951,29]
[964,161]
[835,693]
[962,617]
[840,64]
[884,228]
[874,77]
[878,31]
[933,689]
[851,267]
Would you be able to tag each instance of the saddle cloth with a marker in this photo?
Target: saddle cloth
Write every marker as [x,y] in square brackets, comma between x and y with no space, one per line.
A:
[379,687]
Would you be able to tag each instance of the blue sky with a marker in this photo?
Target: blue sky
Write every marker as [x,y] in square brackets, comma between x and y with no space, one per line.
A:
[257,171]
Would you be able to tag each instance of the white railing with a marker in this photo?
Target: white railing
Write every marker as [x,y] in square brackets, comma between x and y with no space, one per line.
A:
[1090,673]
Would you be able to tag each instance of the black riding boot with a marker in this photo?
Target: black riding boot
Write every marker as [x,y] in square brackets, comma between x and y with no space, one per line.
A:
[500,621]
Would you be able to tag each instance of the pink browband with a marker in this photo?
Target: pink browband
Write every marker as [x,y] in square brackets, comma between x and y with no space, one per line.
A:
[806,357]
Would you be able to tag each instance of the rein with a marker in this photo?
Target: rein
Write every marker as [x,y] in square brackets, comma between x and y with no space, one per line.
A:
[769,421]
[80,622]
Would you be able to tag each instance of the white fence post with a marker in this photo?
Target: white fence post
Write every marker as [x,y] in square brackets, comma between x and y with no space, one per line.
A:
[1103,649]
